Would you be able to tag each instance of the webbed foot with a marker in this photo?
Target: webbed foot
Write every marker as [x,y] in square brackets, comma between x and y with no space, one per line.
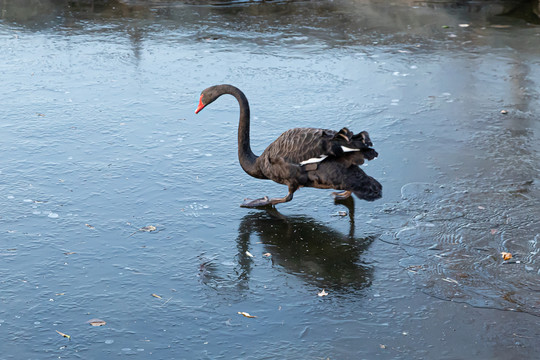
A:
[251,203]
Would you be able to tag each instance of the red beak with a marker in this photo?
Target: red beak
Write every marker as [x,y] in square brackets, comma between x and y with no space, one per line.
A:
[201,105]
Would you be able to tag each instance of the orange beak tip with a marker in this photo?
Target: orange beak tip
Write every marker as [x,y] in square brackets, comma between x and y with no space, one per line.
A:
[201,105]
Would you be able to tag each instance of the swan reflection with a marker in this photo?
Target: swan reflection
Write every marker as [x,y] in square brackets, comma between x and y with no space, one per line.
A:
[314,252]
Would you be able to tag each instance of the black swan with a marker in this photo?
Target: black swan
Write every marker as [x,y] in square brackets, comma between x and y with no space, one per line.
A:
[303,157]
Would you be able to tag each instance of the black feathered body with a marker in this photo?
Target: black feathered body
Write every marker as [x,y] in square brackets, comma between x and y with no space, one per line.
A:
[282,161]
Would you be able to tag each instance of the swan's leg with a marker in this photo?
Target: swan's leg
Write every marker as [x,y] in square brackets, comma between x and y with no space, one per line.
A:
[265,201]
[287,198]
[342,195]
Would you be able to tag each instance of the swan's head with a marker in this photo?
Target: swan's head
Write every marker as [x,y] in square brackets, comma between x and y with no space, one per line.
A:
[208,96]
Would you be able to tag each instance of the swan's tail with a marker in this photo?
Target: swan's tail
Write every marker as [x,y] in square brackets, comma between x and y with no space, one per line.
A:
[364,186]
[335,175]
[371,192]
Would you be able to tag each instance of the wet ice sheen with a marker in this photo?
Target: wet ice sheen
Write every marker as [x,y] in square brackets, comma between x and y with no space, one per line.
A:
[98,128]
[464,263]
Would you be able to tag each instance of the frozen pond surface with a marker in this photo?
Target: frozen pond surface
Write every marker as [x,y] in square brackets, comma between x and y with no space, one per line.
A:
[99,138]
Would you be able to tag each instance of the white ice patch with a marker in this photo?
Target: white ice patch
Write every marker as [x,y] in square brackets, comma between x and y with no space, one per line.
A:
[346,149]
[314,160]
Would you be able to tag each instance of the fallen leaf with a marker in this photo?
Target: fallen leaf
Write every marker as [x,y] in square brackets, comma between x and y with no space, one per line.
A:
[156,296]
[60,294]
[64,335]
[322,293]
[267,255]
[69,253]
[414,268]
[249,254]
[246,314]
[89,226]
[148,228]
[506,255]
[96,322]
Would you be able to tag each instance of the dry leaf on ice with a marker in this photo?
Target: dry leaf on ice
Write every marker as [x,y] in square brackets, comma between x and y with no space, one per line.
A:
[156,296]
[267,255]
[148,228]
[96,322]
[506,255]
[322,293]
[246,314]
[64,335]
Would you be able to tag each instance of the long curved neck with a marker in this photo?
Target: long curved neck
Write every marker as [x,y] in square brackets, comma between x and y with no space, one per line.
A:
[246,157]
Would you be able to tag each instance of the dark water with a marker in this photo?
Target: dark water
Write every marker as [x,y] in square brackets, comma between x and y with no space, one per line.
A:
[99,139]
